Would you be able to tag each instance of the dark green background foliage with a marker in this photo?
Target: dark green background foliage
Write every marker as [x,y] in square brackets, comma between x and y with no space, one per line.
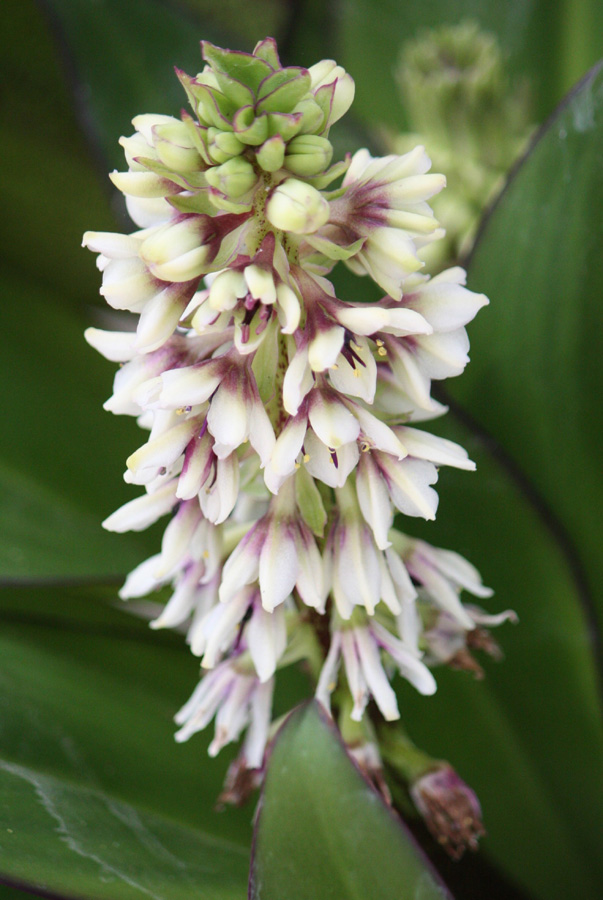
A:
[96,800]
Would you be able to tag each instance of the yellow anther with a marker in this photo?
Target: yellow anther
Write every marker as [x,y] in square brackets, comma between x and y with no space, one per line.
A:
[365,447]
[334,366]
[381,351]
[306,457]
[379,342]
[298,465]
[206,554]
[181,410]
[356,373]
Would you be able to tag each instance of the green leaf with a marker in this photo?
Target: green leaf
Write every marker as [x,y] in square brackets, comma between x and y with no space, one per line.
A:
[322,832]
[98,800]
[539,259]
[143,40]
[528,738]
[50,191]
[62,457]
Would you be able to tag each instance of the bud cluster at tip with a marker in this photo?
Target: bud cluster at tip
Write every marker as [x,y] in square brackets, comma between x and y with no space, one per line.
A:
[281,419]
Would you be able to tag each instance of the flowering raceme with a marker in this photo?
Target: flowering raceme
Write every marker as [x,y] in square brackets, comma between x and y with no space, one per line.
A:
[281,418]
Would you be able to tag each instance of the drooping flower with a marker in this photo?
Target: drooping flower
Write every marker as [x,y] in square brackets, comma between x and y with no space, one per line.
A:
[450,808]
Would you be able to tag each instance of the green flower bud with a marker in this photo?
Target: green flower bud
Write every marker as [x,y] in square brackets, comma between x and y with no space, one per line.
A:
[234,178]
[223,145]
[287,125]
[248,128]
[312,116]
[175,147]
[283,90]
[297,207]
[177,251]
[271,154]
[246,68]
[308,154]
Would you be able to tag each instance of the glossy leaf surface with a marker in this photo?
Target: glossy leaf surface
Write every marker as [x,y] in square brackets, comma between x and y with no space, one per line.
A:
[62,456]
[528,738]
[98,802]
[323,833]
[539,257]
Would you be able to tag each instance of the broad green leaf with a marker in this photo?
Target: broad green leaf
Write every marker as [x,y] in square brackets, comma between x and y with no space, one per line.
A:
[322,832]
[9,892]
[143,40]
[533,387]
[539,259]
[50,190]
[97,799]
[529,737]
[61,456]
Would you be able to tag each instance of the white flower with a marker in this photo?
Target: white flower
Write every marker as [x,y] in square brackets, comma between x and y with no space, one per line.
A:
[330,78]
[385,203]
[449,642]
[278,415]
[280,553]
[447,306]
[237,700]
[361,648]
[353,567]
[297,207]
[235,414]
[221,628]
[442,574]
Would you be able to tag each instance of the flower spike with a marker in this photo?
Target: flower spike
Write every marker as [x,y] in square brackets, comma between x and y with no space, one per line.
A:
[280,417]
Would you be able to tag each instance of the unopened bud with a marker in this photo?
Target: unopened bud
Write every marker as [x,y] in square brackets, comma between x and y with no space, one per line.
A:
[271,154]
[234,177]
[308,154]
[177,251]
[223,145]
[450,809]
[226,288]
[175,147]
[297,207]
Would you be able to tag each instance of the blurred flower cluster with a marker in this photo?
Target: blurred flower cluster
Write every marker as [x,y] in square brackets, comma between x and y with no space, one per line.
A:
[282,419]
[462,104]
